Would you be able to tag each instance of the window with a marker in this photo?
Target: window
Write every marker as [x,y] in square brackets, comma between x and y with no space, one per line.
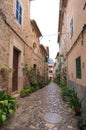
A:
[71,27]
[78,67]
[84,6]
[50,67]
[46,59]
[18,12]
[34,45]
[50,71]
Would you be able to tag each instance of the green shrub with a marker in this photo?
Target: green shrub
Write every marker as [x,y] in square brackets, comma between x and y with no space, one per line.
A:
[58,79]
[82,122]
[41,84]
[29,89]
[66,92]
[74,102]
[34,84]
[26,91]
[8,106]
[32,89]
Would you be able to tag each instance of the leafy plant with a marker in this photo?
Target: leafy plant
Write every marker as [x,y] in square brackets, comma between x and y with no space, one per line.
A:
[29,73]
[5,69]
[74,102]
[66,92]
[34,84]
[26,91]
[82,122]
[8,106]
[41,84]
[29,89]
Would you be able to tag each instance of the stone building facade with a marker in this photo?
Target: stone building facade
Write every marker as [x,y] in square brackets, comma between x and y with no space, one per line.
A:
[19,44]
[56,65]
[72,39]
[51,71]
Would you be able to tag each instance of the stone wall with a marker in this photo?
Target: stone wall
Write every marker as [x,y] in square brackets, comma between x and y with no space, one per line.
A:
[81,91]
[20,37]
[74,45]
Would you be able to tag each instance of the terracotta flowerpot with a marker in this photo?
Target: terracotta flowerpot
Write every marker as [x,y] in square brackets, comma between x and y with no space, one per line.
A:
[78,112]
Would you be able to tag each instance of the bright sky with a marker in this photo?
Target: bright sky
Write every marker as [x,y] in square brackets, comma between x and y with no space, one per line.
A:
[45,13]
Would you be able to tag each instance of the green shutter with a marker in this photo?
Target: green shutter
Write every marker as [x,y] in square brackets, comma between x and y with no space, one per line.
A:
[78,67]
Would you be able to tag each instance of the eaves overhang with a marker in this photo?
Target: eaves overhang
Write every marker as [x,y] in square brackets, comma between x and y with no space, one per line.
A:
[34,24]
[63,4]
[47,53]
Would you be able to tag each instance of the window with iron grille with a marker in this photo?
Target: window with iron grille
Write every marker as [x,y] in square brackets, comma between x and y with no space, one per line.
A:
[78,67]
[18,12]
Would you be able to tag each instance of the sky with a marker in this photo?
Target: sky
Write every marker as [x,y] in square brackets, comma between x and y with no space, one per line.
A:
[46,14]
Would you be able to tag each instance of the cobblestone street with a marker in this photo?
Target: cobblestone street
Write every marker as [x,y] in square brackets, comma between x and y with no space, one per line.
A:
[43,110]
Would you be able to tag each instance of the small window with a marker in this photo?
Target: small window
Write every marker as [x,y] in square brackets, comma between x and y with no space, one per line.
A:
[34,45]
[34,66]
[18,12]
[78,67]
[71,27]
[50,71]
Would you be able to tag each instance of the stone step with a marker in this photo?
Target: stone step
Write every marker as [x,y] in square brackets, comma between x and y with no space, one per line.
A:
[16,96]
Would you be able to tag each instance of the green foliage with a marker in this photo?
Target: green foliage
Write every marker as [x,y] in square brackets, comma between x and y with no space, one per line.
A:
[8,106]
[24,92]
[74,102]
[57,79]
[29,89]
[30,73]
[5,69]
[41,84]
[82,122]
[68,94]
[34,84]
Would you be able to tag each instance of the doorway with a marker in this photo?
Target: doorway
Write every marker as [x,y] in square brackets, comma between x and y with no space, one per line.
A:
[15,70]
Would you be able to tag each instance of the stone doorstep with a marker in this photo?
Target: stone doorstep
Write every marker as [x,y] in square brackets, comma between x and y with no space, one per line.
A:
[16,96]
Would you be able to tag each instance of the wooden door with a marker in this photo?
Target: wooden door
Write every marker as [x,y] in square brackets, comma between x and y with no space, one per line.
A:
[15,70]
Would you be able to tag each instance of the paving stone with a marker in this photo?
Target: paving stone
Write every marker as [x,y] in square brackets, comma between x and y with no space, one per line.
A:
[70,127]
[43,110]
[55,128]
[52,118]
[32,127]
[50,125]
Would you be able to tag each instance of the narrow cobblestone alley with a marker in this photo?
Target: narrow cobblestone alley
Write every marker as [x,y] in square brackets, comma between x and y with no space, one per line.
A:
[43,110]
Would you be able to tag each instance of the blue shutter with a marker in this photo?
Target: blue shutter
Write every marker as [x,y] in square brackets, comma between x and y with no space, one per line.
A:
[18,12]
[17,4]
[20,15]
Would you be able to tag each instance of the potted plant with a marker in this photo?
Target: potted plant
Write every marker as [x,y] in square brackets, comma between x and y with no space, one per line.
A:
[8,106]
[5,70]
[75,104]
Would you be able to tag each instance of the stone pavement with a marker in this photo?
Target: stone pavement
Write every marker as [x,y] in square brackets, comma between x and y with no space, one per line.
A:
[43,110]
